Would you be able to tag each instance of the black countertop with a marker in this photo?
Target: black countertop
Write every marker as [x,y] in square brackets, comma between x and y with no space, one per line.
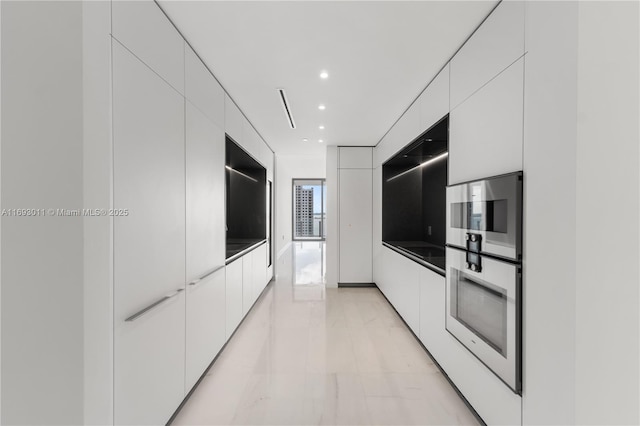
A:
[429,253]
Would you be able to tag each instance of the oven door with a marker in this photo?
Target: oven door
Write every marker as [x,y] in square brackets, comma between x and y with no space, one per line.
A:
[483,311]
[486,216]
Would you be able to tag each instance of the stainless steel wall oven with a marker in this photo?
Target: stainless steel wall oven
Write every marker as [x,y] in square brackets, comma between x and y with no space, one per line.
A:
[484,272]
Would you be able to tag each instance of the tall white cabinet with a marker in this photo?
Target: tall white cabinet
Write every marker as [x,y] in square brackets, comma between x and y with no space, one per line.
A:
[175,302]
[355,188]
[149,242]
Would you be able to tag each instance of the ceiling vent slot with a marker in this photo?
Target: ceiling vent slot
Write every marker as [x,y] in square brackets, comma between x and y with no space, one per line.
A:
[287,109]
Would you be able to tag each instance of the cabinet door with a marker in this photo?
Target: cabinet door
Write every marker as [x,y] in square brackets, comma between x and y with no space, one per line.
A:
[434,101]
[356,222]
[149,243]
[259,270]
[404,279]
[248,292]
[145,30]
[233,296]
[485,132]
[205,194]
[202,89]
[233,120]
[497,43]
[355,157]
[432,311]
[205,324]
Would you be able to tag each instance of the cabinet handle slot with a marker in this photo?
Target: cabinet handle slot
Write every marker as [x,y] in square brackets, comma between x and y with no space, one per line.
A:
[153,305]
[197,281]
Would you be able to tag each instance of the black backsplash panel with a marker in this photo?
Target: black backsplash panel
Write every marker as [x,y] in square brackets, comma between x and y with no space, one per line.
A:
[401,205]
[413,197]
[434,199]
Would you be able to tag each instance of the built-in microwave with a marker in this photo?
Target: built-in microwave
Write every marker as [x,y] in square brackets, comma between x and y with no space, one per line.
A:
[486,216]
[484,272]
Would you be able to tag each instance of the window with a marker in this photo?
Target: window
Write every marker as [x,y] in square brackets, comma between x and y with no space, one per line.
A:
[309,198]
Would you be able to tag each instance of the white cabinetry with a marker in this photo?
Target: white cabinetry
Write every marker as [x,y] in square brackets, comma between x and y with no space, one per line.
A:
[356,222]
[485,132]
[248,291]
[491,49]
[233,296]
[149,243]
[202,89]
[144,29]
[355,157]
[405,130]
[259,270]
[434,101]
[432,311]
[402,286]
[205,214]
[233,120]
[205,224]
[206,316]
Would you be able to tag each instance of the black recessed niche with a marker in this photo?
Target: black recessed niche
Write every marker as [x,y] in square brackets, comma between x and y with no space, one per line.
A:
[414,196]
[246,183]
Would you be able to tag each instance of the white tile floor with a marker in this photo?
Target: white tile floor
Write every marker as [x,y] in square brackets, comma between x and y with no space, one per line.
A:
[308,355]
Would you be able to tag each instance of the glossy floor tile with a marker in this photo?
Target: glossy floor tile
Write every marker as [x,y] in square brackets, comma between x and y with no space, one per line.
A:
[307,355]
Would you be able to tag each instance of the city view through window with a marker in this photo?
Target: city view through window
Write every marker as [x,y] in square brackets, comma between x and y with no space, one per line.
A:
[309,205]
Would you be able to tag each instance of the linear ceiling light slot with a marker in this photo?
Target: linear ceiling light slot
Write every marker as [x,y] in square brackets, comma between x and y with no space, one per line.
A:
[287,108]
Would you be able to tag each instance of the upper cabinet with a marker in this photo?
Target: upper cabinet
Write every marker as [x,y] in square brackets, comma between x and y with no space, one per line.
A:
[493,47]
[355,157]
[485,132]
[406,129]
[233,120]
[202,89]
[145,31]
[434,101]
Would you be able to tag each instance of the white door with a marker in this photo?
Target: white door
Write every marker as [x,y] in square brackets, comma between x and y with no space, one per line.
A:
[149,243]
[356,225]
[205,242]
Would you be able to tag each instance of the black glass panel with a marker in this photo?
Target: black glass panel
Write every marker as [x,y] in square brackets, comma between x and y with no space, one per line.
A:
[414,195]
[480,216]
[482,308]
[246,183]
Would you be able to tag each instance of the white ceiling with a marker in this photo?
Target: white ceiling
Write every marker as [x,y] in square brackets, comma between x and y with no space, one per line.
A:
[379,54]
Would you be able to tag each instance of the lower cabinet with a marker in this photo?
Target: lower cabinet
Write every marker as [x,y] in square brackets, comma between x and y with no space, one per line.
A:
[402,286]
[259,265]
[418,294]
[432,311]
[248,292]
[205,328]
[149,364]
[233,296]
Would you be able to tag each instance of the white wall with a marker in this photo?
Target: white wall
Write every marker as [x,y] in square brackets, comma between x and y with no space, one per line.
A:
[550,141]
[607,207]
[98,231]
[333,236]
[581,162]
[42,269]
[288,168]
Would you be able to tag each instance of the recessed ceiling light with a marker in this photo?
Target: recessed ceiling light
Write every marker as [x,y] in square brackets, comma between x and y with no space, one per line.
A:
[320,140]
[321,107]
[324,75]
[321,127]
[305,140]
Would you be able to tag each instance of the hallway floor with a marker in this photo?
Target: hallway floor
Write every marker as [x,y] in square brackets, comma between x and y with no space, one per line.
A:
[309,355]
